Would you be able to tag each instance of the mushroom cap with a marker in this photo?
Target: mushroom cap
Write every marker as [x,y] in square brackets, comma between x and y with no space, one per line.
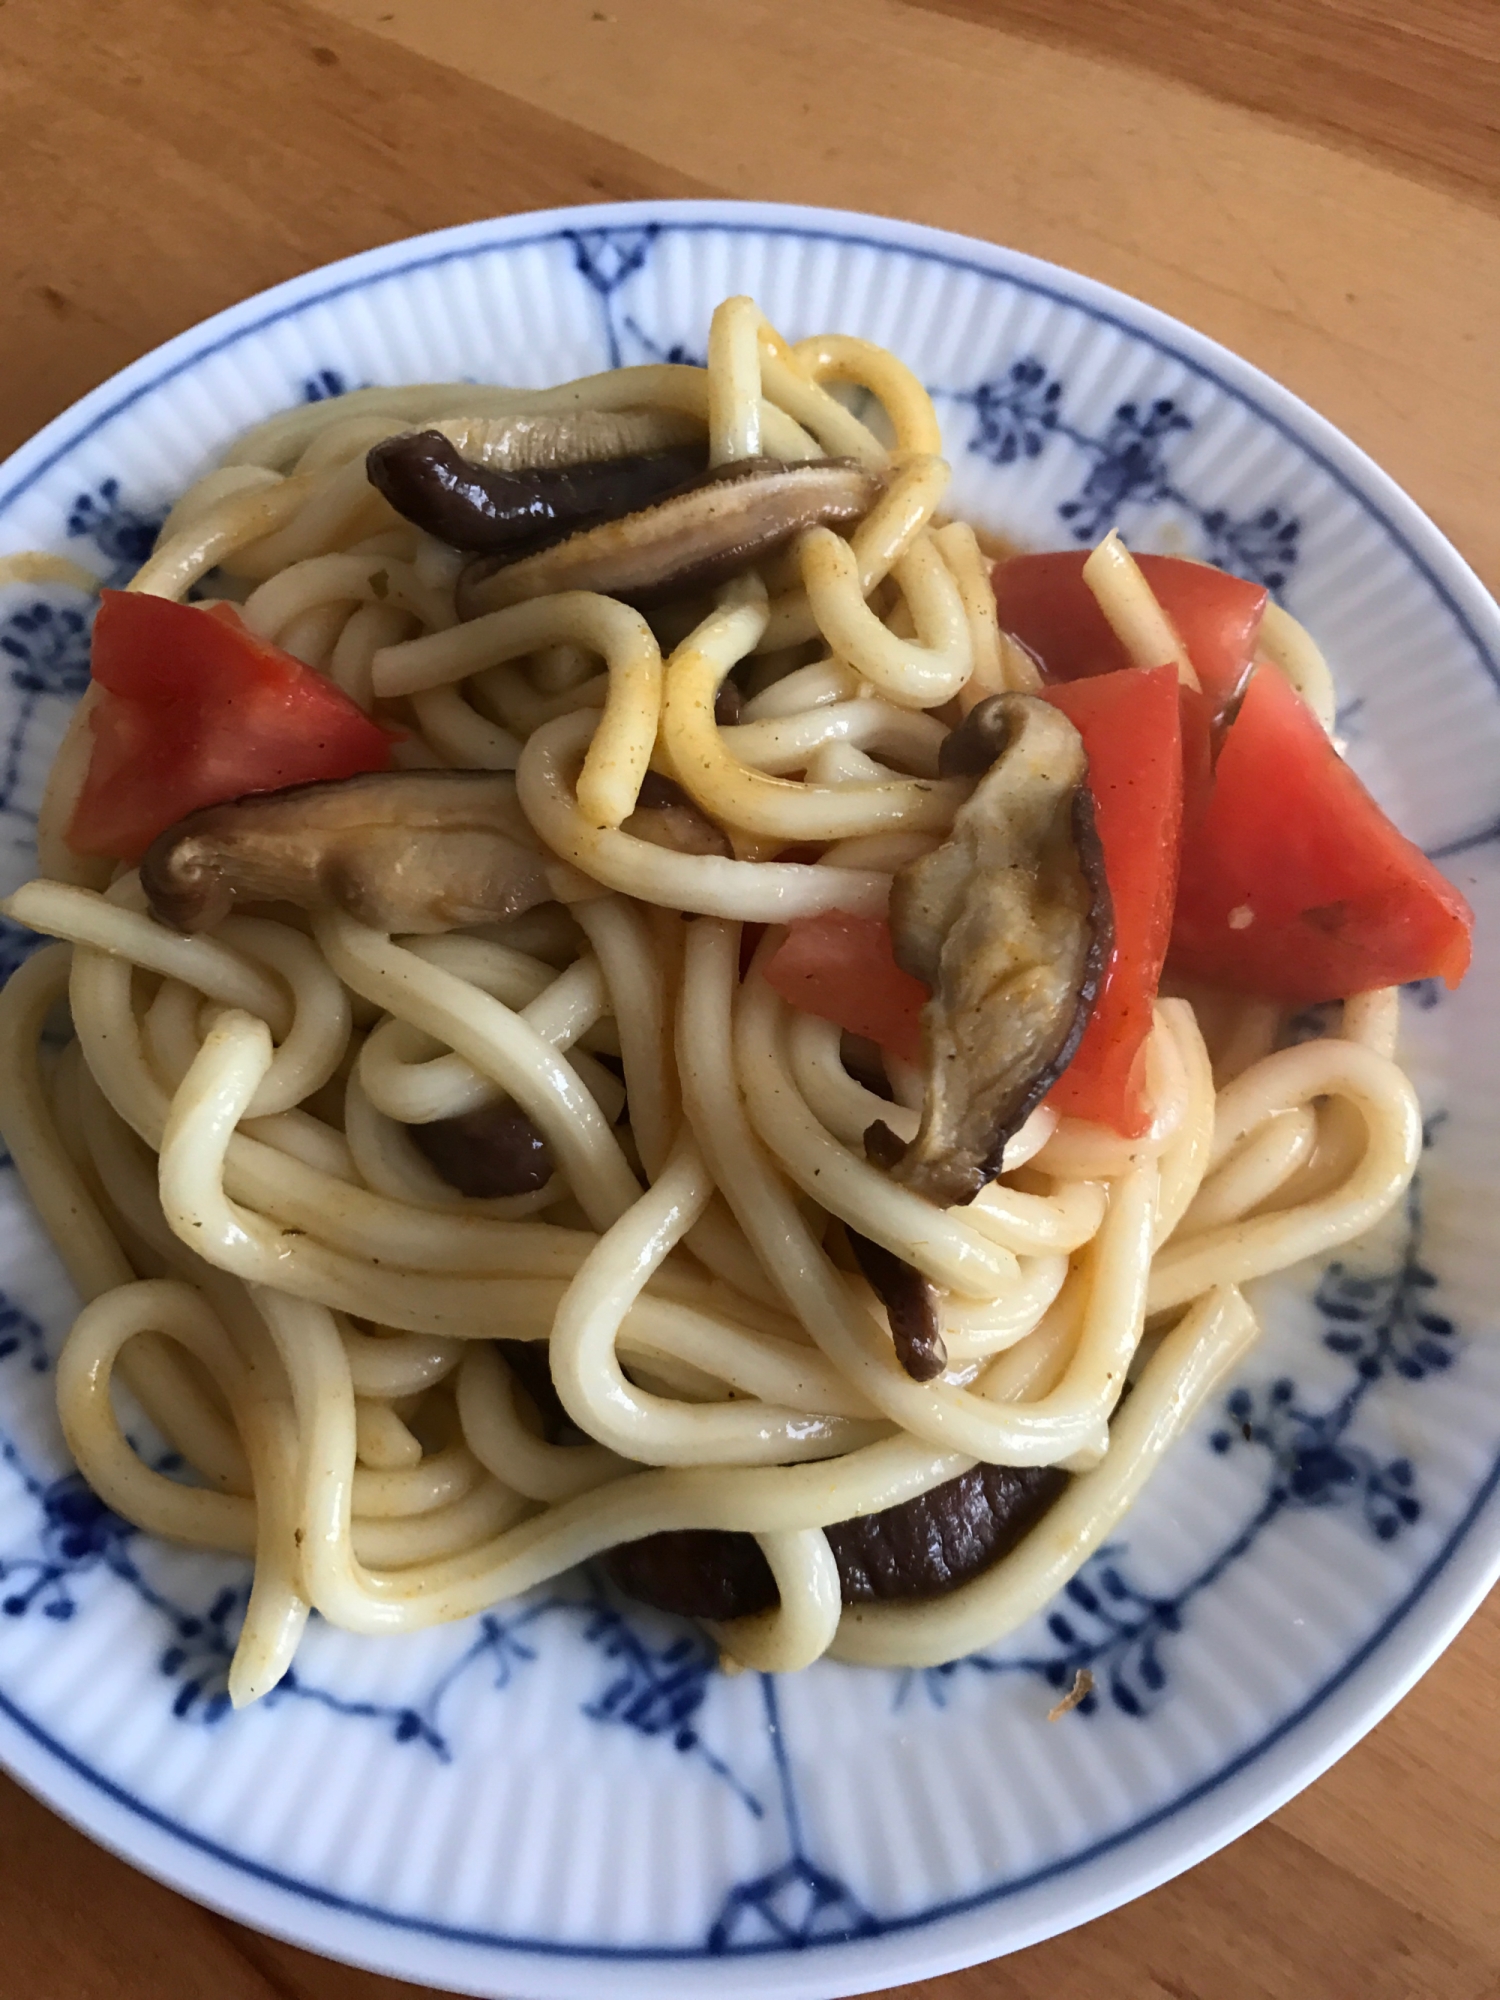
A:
[489,1152]
[711,529]
[922,1548]
[469,505]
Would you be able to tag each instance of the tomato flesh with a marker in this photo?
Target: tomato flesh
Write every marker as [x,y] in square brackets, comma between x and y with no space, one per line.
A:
[191,709]
[1294,884]
[1044,602]
[842,968]
[1131,725]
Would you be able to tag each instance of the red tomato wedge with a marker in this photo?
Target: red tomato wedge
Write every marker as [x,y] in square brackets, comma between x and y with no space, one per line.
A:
[1044,601]
[1294,883]
[192,709]
[1131,727]
[841,968]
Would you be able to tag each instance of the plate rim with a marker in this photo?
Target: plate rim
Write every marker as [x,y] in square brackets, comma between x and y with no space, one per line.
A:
[1461,1572]
[1470,604]
[925,1944]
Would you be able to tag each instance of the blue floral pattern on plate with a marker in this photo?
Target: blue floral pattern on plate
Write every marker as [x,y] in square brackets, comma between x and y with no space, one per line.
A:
[658,1681]
[1019,414]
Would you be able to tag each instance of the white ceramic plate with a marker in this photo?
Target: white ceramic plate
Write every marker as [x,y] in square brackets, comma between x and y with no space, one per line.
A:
[564,1798]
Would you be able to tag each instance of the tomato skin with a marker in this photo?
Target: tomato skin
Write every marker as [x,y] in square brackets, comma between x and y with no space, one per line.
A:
[1132,728]
[190,709]
[1044,601]
[842,968]
[1294,883]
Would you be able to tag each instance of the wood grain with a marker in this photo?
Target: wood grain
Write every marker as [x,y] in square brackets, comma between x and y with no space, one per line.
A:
[1381,1882]
[200,150]
[1368,293]
[1415,86]
[167,157]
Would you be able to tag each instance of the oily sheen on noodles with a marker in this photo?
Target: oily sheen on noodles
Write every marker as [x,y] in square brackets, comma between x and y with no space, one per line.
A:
[237,1151]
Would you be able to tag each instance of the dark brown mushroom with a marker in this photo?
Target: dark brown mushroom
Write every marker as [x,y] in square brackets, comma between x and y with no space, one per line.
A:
[491,1151]
[910,1303]
[528,1362]
[400,850]
[865,1062]
[969,750]
[667,817]
[711,529]
[729,703]
[709,1573]
[883,1147]
[428,480]
[1007,923]
[923,1548]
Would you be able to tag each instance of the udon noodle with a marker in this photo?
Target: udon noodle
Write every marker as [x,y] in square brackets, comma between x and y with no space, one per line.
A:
[307,1312]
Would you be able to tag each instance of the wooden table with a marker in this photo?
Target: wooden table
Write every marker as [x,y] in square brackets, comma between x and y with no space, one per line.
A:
[1315,182]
